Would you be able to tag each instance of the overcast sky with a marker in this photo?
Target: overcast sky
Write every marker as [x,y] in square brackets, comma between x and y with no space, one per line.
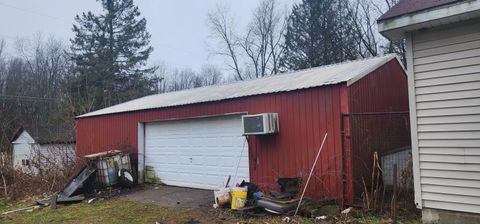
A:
[179,32]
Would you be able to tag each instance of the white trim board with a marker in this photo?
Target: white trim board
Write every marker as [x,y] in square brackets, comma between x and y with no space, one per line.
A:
[395,28]
[413,122]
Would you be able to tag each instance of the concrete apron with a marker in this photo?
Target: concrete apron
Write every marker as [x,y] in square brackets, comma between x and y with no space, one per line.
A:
[434,216]
[169,196]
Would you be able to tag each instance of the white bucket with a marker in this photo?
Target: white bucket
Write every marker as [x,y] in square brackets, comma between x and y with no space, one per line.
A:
[221,196]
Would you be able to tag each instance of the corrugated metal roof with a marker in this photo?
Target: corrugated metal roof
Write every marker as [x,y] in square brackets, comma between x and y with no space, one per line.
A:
[409,6]
[326,75]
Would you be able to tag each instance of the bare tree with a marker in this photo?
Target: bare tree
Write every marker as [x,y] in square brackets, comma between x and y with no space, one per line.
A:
[2,66]
[262,41]
[160,75]
[363,15]
[31,91]
[180,79]
[398,47]
[390,3]
[210,75]
[256,53]
[46,64]
[223,29]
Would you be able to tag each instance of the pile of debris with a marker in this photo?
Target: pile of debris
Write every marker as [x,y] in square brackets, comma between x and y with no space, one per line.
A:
[103,171]
[286,200]
[246,197]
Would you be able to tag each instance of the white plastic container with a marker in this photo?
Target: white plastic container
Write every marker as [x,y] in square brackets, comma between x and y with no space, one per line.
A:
[221,196]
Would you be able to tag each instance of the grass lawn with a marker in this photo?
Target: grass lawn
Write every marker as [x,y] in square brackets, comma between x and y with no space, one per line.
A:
[12,205]
[120,211]
[101,211]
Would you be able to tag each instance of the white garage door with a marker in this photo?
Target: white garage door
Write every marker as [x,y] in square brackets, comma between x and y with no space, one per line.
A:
[196,153]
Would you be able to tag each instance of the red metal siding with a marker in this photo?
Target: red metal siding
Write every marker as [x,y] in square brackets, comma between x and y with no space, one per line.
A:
[305,116]
[384,90]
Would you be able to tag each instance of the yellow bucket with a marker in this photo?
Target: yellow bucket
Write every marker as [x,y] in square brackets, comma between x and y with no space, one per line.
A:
[239,197]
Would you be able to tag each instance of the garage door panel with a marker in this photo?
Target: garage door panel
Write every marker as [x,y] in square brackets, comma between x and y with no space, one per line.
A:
[169,159]
[173,168]
[197,153]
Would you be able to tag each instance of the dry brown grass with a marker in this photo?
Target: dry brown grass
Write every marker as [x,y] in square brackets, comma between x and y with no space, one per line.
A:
[41,178]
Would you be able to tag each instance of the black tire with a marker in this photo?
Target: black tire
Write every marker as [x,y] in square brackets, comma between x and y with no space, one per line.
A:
[126,178]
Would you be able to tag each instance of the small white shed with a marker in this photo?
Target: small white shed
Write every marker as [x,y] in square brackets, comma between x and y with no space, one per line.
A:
[443,63]
[49,145]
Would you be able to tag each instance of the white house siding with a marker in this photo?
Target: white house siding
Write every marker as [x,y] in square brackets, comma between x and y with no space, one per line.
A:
[445,95]
[25,147]
[22,147]
[57,153]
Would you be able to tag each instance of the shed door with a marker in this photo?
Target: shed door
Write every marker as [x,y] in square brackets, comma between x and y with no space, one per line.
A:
[197,153]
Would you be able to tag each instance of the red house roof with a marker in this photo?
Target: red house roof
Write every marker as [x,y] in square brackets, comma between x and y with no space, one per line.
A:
[409,6]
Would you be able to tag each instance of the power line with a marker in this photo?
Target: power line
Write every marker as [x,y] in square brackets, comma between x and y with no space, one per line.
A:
[28,98]
[34,12]
[63,20]
[171,47]
[187,52]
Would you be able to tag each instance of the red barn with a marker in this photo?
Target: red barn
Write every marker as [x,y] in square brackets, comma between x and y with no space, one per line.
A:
[194,138]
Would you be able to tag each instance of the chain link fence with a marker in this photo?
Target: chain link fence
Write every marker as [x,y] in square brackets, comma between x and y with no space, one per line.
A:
[379,146]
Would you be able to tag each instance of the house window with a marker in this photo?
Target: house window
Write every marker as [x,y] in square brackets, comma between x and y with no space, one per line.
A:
[25,162]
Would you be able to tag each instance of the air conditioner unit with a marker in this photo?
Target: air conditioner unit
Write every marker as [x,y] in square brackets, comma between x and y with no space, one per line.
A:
[260,124]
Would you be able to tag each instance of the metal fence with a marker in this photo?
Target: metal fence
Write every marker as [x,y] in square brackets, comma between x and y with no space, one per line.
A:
[376,142]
